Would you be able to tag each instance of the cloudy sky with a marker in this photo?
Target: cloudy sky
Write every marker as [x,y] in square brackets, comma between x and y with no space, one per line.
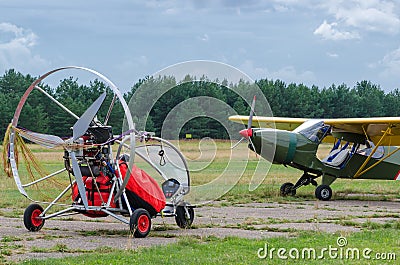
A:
[310,41]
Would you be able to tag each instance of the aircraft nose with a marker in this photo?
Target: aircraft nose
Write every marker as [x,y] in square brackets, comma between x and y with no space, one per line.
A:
[277,146]
[246,133]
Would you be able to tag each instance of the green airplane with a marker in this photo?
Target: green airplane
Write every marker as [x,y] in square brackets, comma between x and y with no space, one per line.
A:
[363,148]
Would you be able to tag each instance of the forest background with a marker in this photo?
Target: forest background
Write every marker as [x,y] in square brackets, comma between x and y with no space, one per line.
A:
[39,114]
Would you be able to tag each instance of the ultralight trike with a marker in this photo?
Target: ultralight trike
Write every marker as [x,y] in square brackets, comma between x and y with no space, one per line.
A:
[101,181]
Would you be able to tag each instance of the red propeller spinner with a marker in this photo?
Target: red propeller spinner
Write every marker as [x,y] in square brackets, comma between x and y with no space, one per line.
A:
[246,133]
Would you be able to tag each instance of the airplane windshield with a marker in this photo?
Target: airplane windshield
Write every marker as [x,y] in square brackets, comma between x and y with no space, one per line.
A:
[314,130]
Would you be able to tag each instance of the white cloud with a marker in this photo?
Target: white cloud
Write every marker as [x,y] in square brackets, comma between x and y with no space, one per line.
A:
[16,49]
[391,64]
[332,55]
[171,11]
[281,8]
[330,32]
[369,15]
[372,19]
[21,36]
[205,37]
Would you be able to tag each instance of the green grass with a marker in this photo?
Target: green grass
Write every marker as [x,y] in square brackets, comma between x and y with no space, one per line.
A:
[370,224]
[10,239]
[213,167]
[232,250]
[102,232]
[211,250]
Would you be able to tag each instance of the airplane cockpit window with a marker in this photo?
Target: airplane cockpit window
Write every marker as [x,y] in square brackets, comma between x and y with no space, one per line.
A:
[314,130]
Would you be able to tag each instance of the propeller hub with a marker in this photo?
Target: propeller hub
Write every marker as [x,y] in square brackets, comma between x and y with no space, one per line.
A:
[246,133]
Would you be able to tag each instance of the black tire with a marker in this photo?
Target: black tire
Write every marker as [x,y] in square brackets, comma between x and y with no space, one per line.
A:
[323,192]
[32,221]
[181,218]
[140,223]
[287,189]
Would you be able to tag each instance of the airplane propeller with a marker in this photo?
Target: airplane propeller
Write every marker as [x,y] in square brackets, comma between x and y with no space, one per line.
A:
[248,133]
[79,128]
[83,123]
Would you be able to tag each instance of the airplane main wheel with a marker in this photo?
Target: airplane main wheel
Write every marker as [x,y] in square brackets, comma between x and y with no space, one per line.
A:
[323,192]
[140,223]
[287,189]
[32,220]
[181,217]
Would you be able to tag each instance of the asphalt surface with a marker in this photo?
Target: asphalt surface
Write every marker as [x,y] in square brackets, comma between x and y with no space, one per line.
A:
[73,236]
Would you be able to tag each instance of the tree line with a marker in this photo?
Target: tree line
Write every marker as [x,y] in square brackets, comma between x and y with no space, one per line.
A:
[40,114]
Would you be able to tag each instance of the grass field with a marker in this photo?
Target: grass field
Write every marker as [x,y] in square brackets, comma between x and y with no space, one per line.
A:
[213,160]
[207,161]
[233,250]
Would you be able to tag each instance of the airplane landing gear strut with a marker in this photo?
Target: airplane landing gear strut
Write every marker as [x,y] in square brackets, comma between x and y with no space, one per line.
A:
[290,189]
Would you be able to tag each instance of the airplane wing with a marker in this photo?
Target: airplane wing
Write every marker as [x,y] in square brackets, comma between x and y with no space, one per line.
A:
[288,124]
[382,130]
[385,130]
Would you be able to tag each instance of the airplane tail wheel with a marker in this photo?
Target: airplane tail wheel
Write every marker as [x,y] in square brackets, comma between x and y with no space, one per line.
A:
[32,220]
[323,192]
[182,219]
[140,223]
[287,189]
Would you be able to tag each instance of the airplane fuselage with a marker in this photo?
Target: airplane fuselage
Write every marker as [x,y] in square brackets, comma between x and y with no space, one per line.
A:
[295,150]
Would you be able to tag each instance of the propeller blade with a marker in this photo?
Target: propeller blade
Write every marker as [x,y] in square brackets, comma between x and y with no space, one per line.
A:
[81,125]
[78,178]
[234,146]
[46,140]
[253,104]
